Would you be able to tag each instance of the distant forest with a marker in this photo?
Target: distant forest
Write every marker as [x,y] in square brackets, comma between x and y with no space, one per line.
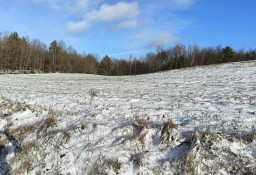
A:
[19,54]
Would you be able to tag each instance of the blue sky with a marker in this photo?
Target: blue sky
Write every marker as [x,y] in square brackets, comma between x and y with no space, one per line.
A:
[120,28]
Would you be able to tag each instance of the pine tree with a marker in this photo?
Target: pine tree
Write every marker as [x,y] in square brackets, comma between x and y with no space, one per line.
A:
[228,54]
[106,66]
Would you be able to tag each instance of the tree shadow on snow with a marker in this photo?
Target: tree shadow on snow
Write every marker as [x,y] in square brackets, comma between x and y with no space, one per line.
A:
[5,150]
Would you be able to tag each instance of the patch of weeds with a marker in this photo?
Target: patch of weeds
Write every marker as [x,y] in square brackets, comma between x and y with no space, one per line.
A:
[24,159]
[66,136]
[24,168]
[93,93]
[9,107]
[170,125]
[207,137]
[115,164]
[24,153]
[142,123]
[99,168]
[22,133]
[49,122]
[142,137]
[20,107]
[189,164]
[209,156]
[103,165]
[141,129]
[167,131]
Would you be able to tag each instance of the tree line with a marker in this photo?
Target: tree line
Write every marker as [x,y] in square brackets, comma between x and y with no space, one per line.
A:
[19,53]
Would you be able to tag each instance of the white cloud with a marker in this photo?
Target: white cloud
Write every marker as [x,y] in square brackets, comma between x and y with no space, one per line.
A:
[162,39]
[120,11]
[78,27]
[123,14]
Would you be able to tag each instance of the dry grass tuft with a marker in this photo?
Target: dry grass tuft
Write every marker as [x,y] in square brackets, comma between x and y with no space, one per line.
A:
[24,168]
[142,123]
[142,137]
[166,131]
[189,164]
[170,125]
[93,93]
[24,153]
[49,122]
[66,136]
[115,164]
[141,127]
[21,133]
[24,159]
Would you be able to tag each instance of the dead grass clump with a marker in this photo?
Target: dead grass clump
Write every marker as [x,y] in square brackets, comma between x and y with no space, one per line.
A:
[24,159]
[24,168]
[66,136]
[170,125]
[166,131]
[210,159]
[27,148]
[141,129]
[20,107]
[10,107]
[189,164]
[99,167]
[49,122]
[115,164]
[21,133]
[102,166]
[142,123]
[24,153]
[142,137]
[93,93]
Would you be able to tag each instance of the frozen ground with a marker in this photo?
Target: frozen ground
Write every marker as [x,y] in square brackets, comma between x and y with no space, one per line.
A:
[191,121]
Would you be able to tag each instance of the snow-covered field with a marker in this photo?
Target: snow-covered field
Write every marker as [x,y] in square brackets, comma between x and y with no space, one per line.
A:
[192,121]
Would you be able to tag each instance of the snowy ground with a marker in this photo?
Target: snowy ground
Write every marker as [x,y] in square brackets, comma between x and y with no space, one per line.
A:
[192,121]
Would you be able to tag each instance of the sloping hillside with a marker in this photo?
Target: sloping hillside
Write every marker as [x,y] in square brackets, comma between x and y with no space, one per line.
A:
[191,121]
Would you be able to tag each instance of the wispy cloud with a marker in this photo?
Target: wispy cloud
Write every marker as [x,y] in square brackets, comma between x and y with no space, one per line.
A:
[133,23]
[78,27]
[125,53]
[183,4]
[162,39]
[76,7]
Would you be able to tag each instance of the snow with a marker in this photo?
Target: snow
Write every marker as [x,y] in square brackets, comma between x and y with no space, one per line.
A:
[198,120]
